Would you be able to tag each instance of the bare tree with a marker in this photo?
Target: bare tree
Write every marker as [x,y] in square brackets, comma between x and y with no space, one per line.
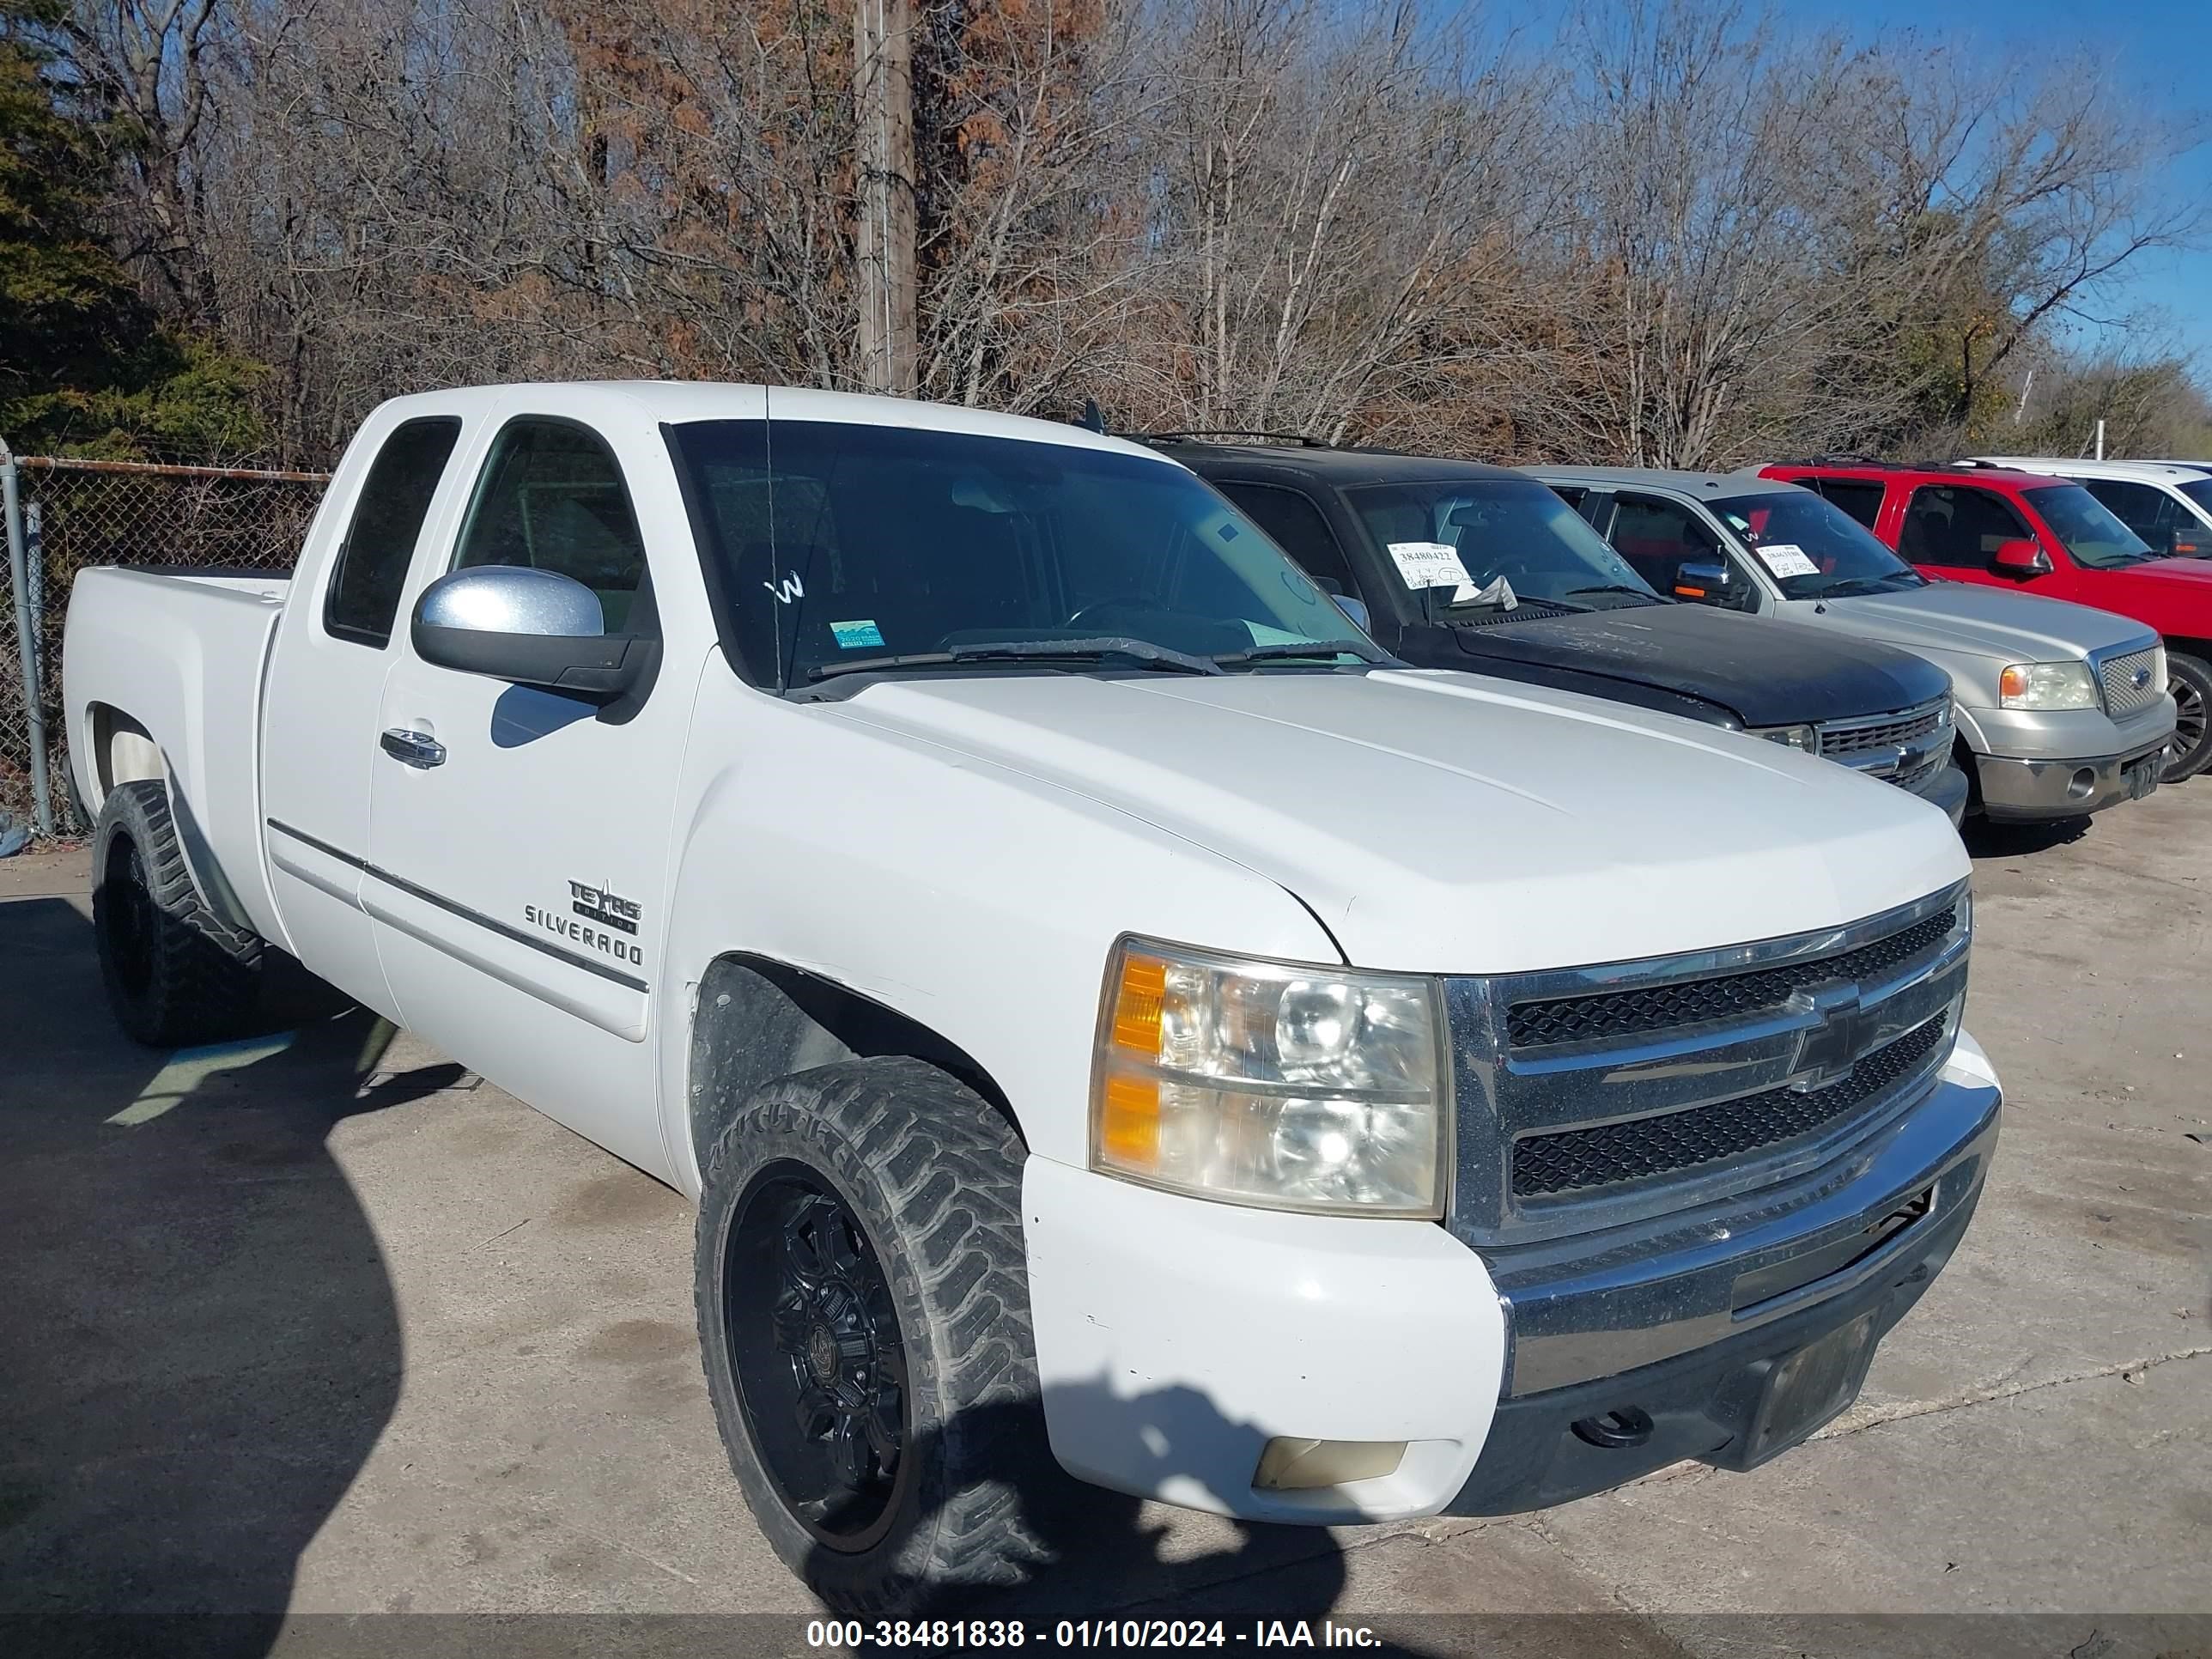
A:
[1336,187]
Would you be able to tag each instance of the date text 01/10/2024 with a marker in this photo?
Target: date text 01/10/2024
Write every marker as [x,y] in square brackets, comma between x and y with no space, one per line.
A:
[854,1634]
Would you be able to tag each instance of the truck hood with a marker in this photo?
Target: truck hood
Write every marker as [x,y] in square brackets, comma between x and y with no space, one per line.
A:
[1989,623]
[1439,822]
[1768,673]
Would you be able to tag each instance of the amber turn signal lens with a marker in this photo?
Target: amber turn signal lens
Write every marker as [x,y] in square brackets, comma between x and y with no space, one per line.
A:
[1129,1126]
[2013,682]
[1138,1005]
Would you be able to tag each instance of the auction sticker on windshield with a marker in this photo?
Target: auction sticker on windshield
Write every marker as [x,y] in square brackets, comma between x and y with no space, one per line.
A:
[1430,564]
[849,634]
[1787,559]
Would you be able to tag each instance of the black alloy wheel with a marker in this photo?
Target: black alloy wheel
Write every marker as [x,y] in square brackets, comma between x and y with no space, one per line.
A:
[814,1344]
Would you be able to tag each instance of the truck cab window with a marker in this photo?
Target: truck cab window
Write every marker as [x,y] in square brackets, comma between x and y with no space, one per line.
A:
[1957,528]
[1299,529]
[2144,509]
[1860,497]
[371,566]
[552,497]
[1659,537]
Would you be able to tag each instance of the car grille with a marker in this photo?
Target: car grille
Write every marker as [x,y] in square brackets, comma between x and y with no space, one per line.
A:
[1608,1154]
[1905,731]
[2115,675]
[1729,996]
[1589,1097]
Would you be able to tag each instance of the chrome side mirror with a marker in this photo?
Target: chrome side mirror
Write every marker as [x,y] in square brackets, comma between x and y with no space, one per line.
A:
[528,627]
[511,598]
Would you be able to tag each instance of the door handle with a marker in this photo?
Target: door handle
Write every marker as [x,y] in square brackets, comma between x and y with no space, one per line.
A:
[415,748]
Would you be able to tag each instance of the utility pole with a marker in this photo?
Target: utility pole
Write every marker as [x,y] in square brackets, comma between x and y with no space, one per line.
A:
[883,91]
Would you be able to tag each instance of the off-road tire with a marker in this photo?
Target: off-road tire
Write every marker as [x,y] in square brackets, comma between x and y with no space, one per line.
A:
[176,973]
[933,1175]
[2190,679]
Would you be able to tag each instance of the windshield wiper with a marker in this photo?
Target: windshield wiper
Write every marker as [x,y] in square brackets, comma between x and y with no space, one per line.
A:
[1090,650]
[1288,649]
[1855,585]
[1612,587]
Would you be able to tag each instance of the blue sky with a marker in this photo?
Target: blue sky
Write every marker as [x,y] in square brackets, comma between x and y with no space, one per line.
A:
[2160,50]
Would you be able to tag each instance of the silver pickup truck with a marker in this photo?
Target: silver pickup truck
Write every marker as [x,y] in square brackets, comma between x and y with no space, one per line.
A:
[2062,708]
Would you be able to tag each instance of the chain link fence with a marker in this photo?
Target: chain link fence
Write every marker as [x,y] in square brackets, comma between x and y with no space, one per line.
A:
[67,515]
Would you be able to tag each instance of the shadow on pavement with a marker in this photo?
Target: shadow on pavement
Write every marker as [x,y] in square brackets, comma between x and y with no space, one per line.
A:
[199,1344]
[1985,839]
[1095,1554]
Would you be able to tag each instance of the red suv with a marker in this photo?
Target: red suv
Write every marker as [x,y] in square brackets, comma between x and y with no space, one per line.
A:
[2002,528]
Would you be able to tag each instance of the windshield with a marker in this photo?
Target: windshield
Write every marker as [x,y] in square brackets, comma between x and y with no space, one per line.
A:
[2198,490]
[864,543]
[1463,534]
[1812,547]
[2085,526]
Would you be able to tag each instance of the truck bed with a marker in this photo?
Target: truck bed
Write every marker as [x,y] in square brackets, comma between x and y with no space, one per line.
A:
[185,653]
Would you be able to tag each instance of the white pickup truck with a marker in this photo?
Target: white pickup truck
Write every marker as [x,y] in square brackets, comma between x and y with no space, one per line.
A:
[1113,1017]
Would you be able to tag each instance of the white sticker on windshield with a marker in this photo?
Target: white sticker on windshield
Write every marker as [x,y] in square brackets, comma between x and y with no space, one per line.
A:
[1431,564]
[1787,559]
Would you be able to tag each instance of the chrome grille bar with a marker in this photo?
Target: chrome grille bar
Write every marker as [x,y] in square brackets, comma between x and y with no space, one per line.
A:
[1701,1032]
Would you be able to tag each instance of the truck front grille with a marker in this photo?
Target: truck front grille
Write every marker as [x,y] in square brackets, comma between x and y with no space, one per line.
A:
[1910,730]
[1589,1097]
[1608,1154]
[2116,677]
[1727,996]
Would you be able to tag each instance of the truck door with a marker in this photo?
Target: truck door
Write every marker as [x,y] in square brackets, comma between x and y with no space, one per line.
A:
[325,687]
[1952,532]
[520,839]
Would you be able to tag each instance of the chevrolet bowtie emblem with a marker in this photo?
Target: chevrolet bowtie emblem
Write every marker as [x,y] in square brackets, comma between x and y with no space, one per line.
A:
[1826,1052]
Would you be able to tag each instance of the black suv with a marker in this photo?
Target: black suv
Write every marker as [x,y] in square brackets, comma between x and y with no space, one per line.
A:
[1458,565]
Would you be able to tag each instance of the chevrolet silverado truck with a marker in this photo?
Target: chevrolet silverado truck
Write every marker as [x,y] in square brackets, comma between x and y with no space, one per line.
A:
[1992,527]
[1458,565]
[2061,710]
[1116,1021]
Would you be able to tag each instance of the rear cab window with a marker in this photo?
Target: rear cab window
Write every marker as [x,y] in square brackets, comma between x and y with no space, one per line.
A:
[1859,497]
[371,566]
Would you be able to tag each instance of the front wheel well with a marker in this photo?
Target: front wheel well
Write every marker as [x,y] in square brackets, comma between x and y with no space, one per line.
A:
[2201,649]
[756,1020]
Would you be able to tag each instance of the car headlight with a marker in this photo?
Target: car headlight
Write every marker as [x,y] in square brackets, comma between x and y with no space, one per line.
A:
[1790,737]
[2046,685]
[1272,1084]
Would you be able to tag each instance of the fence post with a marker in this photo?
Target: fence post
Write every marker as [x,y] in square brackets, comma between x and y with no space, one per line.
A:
[27,622]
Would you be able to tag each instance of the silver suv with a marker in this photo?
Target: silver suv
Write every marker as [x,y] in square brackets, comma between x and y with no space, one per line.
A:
[2063,709]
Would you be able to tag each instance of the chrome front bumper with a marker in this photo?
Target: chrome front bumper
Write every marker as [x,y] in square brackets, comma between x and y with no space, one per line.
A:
[1622,1362]
[2022,790]
[1599,1304]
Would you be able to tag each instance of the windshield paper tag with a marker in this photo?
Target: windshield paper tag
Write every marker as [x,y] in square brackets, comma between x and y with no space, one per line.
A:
[850,635]
[1787,559]
[1431,564]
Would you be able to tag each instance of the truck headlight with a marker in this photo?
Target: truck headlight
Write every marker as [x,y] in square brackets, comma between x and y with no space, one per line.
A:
[1272,1084]
[1790,737]
[2046,685]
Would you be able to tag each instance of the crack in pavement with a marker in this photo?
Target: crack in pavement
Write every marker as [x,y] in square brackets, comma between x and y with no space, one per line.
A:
[1906,1410]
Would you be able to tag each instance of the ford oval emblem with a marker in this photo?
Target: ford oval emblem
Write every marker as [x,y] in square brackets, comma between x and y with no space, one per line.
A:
[2140,678]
